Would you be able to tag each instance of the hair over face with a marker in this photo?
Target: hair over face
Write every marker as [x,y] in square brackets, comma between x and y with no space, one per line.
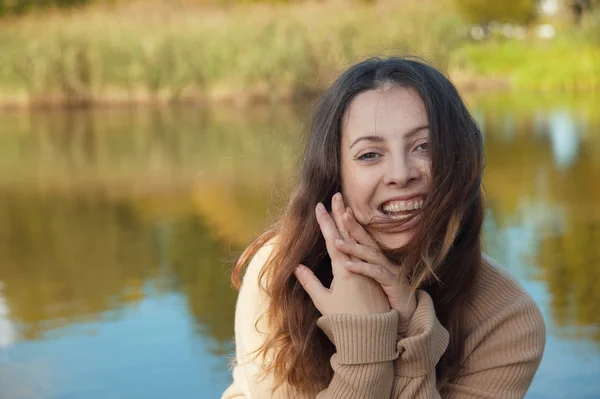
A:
[443,256]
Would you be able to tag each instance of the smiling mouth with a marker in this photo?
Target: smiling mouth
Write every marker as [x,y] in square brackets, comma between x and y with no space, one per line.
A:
[401,210]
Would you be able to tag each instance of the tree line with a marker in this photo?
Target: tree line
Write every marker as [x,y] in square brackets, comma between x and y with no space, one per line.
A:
[475,11]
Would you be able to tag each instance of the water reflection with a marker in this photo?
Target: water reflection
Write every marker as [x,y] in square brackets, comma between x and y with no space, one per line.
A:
[565,139]
[7,330]
[129,151]
[543,181]
[69,260]
[118,219]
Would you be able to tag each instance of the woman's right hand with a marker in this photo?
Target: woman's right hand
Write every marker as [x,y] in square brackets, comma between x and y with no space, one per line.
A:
[349,293]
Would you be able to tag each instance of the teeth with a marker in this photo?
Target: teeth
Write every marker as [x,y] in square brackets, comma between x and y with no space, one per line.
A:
[403,206]
[399,217]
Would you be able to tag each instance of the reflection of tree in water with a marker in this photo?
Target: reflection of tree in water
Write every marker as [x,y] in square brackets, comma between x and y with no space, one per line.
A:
[570,256]
[72,257]
[67,259]
[204,248]
[524,168]
[570,262]
[201,266]
[120,151]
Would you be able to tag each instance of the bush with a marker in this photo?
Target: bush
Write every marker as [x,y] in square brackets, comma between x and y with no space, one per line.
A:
[484,11]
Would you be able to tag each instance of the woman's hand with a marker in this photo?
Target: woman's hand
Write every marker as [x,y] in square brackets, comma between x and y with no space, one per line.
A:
[349,293]
[367,259]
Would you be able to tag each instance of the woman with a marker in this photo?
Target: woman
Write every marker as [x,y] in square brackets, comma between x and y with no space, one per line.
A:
[385,293]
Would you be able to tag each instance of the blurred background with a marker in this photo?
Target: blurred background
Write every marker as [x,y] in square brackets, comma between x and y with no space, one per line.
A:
[143,144]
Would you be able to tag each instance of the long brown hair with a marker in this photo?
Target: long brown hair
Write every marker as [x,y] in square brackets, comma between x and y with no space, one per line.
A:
[443,257]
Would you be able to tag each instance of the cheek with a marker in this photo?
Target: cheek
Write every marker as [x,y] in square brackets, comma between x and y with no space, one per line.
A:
[424,167]
[358,192]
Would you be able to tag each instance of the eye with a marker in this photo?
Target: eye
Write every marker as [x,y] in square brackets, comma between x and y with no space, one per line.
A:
[424,147]
[368,156]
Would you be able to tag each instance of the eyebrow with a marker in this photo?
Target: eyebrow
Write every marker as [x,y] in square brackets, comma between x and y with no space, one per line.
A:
[379,139]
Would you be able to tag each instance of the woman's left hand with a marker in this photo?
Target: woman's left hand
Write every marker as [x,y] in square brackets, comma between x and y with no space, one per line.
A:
[368,260]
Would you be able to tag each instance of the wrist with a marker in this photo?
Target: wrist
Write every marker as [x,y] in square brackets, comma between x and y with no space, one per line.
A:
[406,311]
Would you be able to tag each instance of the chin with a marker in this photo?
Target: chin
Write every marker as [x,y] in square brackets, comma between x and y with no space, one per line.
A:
[394,240]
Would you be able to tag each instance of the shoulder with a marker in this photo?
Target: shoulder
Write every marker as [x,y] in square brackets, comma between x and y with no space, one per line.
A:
[252,298]
[252,302]
[501,310]
[505,338]
[496,292]
[256,264]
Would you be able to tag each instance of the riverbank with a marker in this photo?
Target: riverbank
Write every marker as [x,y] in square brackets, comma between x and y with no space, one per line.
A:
[157,53]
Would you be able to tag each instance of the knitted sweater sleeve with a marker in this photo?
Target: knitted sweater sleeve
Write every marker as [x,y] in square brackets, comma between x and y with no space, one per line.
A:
[503,351]
[362,365]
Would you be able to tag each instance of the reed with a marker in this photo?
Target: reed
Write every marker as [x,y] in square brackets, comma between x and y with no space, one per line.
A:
[155,52]
[191,51]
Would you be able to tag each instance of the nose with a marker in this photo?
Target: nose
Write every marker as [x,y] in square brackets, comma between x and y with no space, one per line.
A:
[401,171]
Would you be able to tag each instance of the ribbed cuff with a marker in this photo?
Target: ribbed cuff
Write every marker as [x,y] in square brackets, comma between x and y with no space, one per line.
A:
[423,340]
[361,339]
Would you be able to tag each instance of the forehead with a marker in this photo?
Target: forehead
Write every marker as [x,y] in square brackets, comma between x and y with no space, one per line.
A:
[384,112]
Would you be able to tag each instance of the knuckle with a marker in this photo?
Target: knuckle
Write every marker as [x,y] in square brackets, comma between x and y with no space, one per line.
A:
[372,252]
[379,271]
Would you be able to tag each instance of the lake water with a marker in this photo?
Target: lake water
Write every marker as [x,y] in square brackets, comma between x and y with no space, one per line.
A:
[118,229]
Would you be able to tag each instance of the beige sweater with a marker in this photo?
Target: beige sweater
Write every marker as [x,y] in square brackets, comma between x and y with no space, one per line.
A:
[379,357]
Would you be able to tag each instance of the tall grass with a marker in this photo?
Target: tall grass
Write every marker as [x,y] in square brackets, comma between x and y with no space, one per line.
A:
[157,52]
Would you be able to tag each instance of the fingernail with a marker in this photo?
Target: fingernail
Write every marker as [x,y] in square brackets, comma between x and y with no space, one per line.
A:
[349,264]
[321,208]
[339,242]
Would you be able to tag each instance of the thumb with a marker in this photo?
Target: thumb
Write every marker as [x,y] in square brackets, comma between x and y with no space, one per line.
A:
[311,284]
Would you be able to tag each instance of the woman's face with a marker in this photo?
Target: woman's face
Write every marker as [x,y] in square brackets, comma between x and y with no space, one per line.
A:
[385,159]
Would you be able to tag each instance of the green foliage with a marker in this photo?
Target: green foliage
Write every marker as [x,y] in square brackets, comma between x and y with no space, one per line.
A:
[563,64]
[21,6]
[485,11]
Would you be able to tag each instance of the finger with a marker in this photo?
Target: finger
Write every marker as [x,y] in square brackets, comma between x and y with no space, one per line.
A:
[364,253]
[338,208]
[331,233]
[311,284]
[357,231]
[376,272]
[328,227]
